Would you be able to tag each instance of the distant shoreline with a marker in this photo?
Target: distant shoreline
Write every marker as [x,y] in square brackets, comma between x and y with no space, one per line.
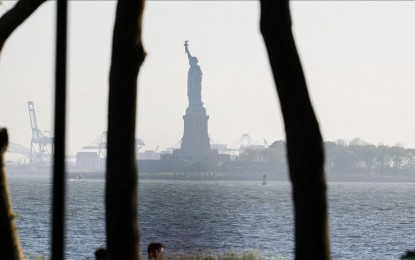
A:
[221,176]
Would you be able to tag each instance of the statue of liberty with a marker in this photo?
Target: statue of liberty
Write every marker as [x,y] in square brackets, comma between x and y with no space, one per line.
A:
[194,80]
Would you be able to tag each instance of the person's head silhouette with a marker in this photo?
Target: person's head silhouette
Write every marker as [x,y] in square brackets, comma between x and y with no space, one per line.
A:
[155,251]
[100,254]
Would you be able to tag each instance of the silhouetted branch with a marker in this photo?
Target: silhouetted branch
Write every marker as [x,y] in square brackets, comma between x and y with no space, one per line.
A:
[16,16]
[121,180]
[304,141]
[9,240]
[59,188]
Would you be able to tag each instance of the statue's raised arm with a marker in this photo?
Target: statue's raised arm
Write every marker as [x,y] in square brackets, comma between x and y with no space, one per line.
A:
[194,80]
[186,49]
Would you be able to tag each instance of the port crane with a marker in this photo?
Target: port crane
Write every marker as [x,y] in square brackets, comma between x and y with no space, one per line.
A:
[243,143]
[18,148]
[100,144]
[41,144]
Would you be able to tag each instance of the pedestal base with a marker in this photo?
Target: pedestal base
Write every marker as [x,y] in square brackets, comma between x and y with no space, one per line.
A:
[195,134]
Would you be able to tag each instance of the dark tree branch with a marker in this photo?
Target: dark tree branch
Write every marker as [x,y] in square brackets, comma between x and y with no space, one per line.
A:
[304,141]
[16,16]
[121,180]
[9,240]
[59,187]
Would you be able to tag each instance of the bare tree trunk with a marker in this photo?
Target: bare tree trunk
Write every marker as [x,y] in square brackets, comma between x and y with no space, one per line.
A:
[9,240]
[15,16]
[304,141]
[121,180]
[59,179]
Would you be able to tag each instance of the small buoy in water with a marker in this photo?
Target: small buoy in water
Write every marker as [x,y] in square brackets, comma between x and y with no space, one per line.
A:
[264,179]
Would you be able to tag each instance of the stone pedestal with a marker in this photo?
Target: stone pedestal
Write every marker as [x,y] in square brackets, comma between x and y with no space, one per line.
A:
[195,135]
[195,141]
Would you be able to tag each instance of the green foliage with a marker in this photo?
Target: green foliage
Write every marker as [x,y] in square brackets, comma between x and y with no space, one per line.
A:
[358,156]
[347,157]
[247,255]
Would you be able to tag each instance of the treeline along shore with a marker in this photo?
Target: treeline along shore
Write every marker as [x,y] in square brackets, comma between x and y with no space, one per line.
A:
[354,160]
[355,157]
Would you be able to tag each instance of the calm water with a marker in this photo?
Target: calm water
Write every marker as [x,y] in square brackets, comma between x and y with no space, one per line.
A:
[367,220]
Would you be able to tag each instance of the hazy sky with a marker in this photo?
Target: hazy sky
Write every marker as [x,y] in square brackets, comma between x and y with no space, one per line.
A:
[358,57]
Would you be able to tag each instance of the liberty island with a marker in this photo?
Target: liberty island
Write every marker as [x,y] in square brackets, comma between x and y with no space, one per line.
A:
[195,143]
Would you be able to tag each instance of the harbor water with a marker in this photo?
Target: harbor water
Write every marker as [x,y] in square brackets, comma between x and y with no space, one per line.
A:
[367,220]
